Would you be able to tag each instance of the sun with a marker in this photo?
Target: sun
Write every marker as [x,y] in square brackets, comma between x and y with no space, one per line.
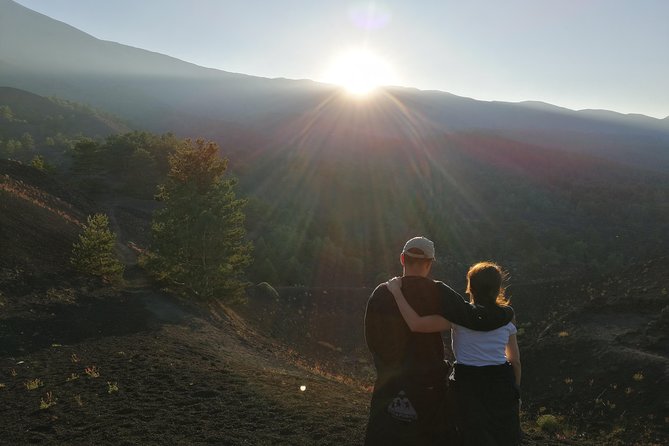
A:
[360,72]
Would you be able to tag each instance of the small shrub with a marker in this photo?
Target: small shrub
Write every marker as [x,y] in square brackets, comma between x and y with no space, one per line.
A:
[638,376]
[13,373]
[549,424]
[112,387]
[73,376]
[39,163]
[2,386]
[74,358]
[33,384]
[47,402]
[92,372]
[77,398]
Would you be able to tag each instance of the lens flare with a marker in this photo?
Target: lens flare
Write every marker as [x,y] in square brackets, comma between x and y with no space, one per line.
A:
[369,16]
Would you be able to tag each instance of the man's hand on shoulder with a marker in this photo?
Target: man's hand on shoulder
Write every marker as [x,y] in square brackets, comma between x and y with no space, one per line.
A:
[457,310]
[394,285]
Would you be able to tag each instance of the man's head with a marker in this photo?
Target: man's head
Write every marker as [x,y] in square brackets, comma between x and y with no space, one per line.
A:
[417,257]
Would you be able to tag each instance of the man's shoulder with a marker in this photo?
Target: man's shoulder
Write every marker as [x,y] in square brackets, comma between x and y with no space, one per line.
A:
[380,294]
[380,290]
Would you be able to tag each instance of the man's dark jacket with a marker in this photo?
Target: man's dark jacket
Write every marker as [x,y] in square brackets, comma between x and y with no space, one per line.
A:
[410,390]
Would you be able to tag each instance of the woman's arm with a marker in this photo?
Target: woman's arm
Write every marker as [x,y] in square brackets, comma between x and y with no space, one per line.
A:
[422,324]
[513,356]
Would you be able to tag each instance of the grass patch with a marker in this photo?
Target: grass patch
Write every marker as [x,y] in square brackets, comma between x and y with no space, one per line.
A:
[47,401]
[112,387]
[92,372]
[33,384]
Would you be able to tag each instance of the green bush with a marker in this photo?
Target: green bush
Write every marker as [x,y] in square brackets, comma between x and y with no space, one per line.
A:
[549,423]
[94,252]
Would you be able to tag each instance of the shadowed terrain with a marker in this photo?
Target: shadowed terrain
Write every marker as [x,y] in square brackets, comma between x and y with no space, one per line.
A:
[178,372]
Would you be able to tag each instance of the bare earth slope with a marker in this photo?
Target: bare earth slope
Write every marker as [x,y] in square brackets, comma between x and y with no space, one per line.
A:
[170,372]
[182,378]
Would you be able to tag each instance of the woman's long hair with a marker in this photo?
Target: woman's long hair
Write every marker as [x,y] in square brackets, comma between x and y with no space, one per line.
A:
[484,284]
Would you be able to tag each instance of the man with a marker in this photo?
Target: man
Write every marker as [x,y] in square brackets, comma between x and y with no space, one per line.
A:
[409,402]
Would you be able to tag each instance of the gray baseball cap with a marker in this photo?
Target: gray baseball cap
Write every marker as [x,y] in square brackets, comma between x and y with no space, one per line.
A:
[419,248]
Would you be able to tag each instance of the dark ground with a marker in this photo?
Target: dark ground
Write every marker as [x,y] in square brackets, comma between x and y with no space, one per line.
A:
[185,374]
[183,377]
[172,372]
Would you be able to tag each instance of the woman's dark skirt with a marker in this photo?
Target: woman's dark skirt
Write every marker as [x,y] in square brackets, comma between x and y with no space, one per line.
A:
[487,405]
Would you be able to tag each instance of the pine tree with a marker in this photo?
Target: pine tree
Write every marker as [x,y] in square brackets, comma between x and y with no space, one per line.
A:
[94,252]
[198,237]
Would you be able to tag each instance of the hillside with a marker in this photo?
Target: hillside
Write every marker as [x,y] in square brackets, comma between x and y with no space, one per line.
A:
[594,350]
[39,220]
[136,365]
[599,347]
[38,115]
[32,124]
[343,214]
[167,357]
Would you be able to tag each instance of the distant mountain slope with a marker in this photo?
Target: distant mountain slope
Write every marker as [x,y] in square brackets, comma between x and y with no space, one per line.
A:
[34,125]
[161,93]
[48,57]
[46,116]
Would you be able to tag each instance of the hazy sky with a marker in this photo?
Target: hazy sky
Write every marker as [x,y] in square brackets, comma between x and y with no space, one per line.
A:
[610,54]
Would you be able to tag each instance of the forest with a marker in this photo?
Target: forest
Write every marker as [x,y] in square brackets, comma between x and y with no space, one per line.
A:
[339,217]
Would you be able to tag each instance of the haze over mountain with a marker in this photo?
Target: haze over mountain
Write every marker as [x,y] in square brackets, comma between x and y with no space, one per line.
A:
[161,93]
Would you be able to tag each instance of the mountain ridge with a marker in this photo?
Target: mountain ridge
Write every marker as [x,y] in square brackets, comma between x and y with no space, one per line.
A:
[162,93]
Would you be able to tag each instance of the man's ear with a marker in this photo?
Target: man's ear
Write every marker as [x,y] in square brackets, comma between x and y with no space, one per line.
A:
[402,259]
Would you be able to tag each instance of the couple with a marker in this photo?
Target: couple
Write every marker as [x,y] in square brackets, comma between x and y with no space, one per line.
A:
[415,401]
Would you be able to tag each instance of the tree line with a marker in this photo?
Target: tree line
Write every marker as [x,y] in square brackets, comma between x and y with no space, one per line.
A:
[318,220]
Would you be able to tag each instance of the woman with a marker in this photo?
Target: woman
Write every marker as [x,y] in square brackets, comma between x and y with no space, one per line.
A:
[486,377]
